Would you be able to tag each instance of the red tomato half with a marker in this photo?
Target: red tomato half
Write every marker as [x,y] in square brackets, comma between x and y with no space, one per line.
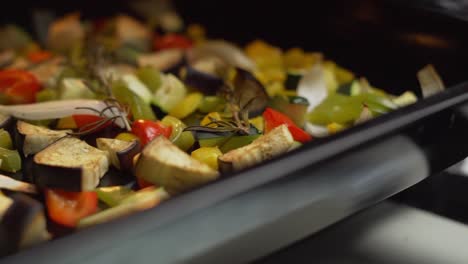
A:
[147,130]
[18,87]
[274,118]
[67,208]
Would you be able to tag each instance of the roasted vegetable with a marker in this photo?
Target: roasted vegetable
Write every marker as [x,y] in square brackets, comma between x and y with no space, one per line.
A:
[69,164]
[32,139]
[23,223]
[133,203]
[164,164]
[121,153]
[276,142]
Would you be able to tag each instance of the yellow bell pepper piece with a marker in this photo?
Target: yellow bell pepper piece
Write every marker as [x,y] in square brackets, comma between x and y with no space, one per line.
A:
[207,155]
[208,119]
[187,106]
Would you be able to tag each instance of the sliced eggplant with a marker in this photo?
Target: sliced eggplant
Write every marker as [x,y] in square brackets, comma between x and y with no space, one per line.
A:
[31,139]
[250,93]
[206,75]
[168,61]
[133,203]
[121,153]
[276,142]
[164,164]
[23,223]
[69,164]
[7,122]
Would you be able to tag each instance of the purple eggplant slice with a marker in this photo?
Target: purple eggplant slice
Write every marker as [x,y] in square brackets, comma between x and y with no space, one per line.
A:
[23,223]
[31,139]
[207,83]
[6,122]
[121,153]
[250,93]
[69,164]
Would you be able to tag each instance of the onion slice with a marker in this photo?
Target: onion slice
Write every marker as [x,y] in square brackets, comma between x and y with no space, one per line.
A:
[316,130]
[228,52]
[313,87]
[430,81]
[11,184]
[61,108]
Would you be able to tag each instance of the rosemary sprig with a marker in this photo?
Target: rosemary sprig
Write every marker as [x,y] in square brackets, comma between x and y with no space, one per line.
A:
[219,126]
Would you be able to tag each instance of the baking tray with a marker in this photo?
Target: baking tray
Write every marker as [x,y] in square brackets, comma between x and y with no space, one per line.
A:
[252,213]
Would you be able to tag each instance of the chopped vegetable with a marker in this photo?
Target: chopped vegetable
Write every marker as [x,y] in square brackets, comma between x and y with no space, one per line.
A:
[208,155]
[147,130]
[187,106]
[5,139]
[172,41]
[430,81]
[274,119]
[18,87]
[67,208]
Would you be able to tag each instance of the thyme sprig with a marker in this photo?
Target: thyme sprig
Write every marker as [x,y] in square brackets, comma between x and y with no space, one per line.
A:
[219,126]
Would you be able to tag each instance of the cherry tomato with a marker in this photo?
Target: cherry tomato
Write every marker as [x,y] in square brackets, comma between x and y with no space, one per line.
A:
[67,208]
[274,118]
[39,56]
[18,87]
[172,41]
[147,130]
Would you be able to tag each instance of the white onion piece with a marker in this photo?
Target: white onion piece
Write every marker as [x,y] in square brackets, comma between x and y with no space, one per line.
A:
[313,87]
[14,185]
[59,109]
[316,130]
[430,81]
[228,52]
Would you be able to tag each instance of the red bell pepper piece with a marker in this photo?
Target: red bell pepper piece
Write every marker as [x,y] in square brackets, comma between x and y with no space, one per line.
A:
[67,208]
[172,41]
[18,87]
[89,122]
[39,56]
[274,118]
[147,130]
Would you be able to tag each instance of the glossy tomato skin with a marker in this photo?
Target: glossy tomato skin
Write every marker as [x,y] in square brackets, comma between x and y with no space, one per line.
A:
[67,208]
[18,87]
[274,118]
[147,130]
[172,41]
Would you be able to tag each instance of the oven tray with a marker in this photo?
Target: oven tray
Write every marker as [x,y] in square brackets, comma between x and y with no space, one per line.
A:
[244,216]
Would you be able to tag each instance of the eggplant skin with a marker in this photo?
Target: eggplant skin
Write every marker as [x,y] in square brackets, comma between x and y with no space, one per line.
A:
[126,156]
[69,164]
[7,123]
[206,83]
[22,225]
[66,178]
